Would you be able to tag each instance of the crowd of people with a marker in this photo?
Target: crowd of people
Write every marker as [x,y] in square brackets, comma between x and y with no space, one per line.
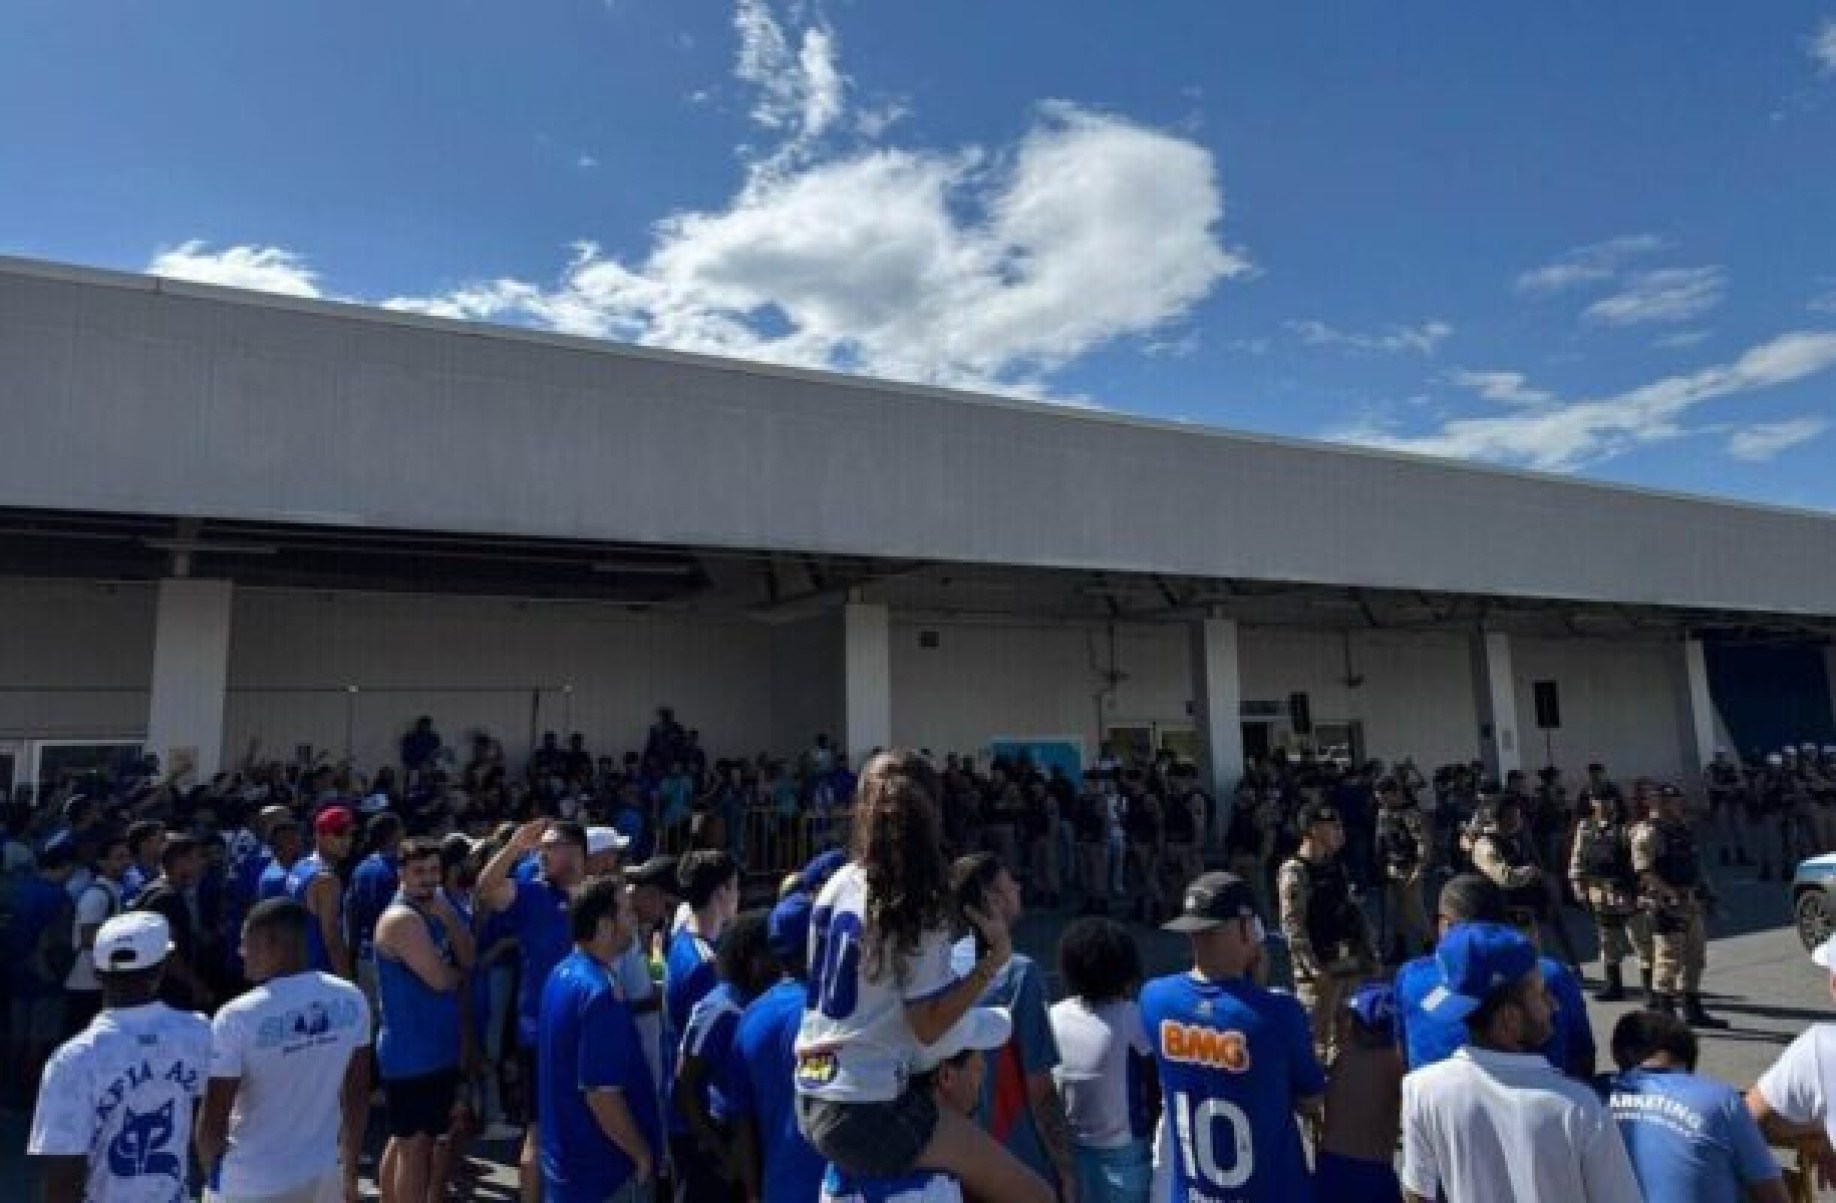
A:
[215,982]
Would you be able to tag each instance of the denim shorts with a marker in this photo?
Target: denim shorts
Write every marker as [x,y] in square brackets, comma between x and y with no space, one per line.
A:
[870,1140]
[1118,1175]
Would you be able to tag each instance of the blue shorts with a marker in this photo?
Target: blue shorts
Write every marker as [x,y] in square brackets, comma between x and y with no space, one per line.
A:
[1351,1180]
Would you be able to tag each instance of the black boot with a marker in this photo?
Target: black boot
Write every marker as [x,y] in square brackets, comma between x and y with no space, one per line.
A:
[1615,988]
[1724,858]
[1664,1004]
[1696,1017]
[1765,873]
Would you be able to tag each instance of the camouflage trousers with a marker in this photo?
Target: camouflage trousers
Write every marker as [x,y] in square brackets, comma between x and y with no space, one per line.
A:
[1680,938]
[1623,930]
[1322,997]
[1406,914]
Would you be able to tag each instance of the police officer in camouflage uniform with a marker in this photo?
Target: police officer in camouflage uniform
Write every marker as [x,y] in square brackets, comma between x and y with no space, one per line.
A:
[1727,795]
[1406,853]
[1329,939]
[1670,878]
[1504,853]
[1600,867]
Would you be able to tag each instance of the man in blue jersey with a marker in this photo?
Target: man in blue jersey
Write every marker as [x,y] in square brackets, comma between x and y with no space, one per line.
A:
[952,1070]
[285,846]
[314,883]
[776,1164]
[1689,1137]
[373,885]
[710,889]
[1425,1039]
[601,1137]
[422,956]
[1236,1062]
[1020,1105]
[705,1073]
[536,912]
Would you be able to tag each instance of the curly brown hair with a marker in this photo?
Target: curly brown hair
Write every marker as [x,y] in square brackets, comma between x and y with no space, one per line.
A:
[899,846]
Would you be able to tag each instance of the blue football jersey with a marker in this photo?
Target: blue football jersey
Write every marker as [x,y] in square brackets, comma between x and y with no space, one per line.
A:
[1234,1060]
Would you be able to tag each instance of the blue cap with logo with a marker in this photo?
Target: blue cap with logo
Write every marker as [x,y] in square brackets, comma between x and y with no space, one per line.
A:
[816,874]
[1374,1007]
[787,929]
[1475,960]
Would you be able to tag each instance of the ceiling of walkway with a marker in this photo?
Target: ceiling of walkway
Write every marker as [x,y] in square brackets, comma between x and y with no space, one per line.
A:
[783,586]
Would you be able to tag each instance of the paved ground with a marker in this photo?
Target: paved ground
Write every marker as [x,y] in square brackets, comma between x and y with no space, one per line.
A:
[1759,978]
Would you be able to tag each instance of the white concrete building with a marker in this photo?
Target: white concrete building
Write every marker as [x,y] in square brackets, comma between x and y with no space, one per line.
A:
[232,521]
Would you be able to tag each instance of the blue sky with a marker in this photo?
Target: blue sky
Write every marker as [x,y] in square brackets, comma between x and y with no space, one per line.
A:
[1572,236]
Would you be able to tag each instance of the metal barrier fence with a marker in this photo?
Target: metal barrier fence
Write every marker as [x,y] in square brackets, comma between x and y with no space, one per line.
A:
[768,843]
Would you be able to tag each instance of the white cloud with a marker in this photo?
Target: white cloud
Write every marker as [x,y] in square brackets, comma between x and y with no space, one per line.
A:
[1676,294]
[1564,436]
[261,268]
[963,269]
[586,162]
[801,92]
[1506,388]
[1823,47]
[1420,339]
[975,268]
[1588,264]
[1759,443]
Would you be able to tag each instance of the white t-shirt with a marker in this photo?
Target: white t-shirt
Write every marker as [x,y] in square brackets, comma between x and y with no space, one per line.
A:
[288,1041]
[94,906]
[1798,1084]
[121,1093]
[1094,1072]
[1491,1127]
[857,1046]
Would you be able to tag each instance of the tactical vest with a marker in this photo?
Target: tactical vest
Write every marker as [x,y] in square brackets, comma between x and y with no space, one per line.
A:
[1604,854]
[1141,823]
[1514,850]
[1333,919]
[1092,819]
[1180,826]
[1242,835]
[1676,863]
[1397,845]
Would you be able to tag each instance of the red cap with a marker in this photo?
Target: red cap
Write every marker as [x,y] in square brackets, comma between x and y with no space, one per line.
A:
[334,820]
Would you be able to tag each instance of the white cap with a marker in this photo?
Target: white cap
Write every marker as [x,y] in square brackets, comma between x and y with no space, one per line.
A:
[606,839]
[1774,759]
[136,940]
[1825,955]
[983,1028]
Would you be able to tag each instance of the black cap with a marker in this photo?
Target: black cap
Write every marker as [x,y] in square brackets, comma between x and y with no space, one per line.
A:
[658,871]
[1318,812]
[1211,899]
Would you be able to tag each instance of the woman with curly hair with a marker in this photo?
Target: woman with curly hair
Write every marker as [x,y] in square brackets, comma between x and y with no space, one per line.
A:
[881,987]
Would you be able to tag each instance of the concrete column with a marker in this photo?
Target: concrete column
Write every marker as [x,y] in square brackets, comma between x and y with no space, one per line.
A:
[1495,698]
[1829,676]
[191,643]
[866,679]
[1699,707]
[1217,693]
